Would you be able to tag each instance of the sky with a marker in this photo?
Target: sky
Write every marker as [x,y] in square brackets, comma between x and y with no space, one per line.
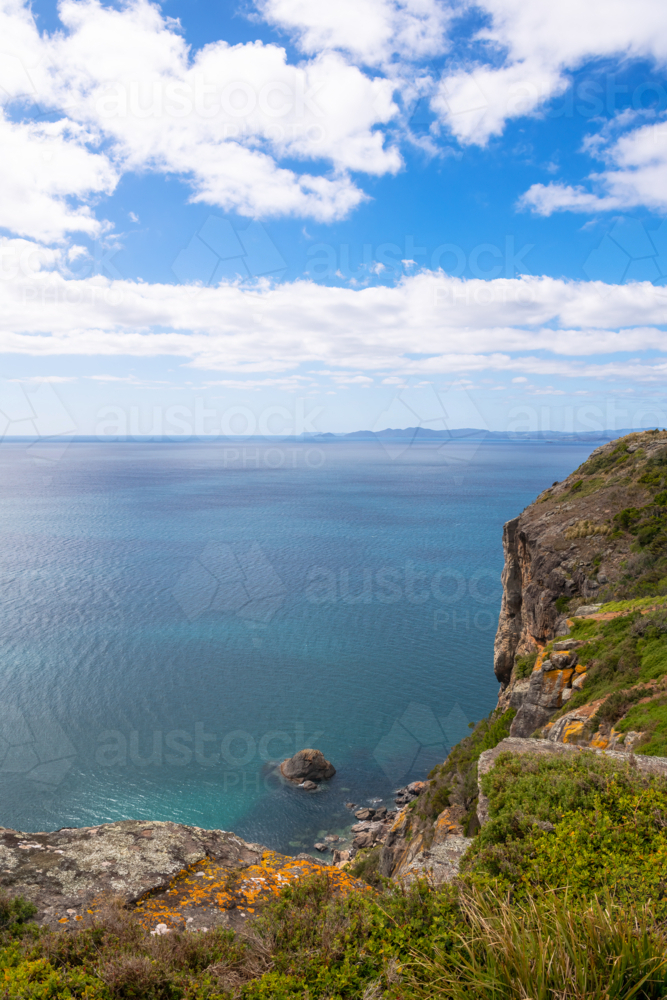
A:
[292,216]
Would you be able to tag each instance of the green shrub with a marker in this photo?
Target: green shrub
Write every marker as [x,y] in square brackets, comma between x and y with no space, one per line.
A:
[579,821]
[366,866]
[15,914]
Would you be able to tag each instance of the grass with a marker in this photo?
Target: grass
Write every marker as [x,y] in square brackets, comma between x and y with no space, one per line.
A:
[622,657]
[562,899]
[524,665]
[635,604]
[586,529]
[580,822]
[544,949]
[652,720]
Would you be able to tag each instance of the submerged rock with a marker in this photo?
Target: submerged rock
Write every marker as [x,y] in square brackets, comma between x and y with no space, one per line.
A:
[307,765]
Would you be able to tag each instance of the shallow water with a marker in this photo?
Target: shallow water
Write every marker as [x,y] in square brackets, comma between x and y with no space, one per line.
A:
[177,616]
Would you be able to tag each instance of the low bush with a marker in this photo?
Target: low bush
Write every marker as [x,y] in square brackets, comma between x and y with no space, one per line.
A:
[576,821]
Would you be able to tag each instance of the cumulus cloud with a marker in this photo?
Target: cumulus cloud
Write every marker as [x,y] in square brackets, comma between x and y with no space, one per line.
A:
[532,46]
[527,325]
[370,31]
[134,97]
[43,168]
[636,175]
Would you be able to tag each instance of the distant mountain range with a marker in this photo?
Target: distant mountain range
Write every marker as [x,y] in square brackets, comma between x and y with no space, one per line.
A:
[405,434]
[468,433]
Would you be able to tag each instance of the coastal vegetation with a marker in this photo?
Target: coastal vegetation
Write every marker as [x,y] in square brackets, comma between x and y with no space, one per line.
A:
[562,891]
[562,894]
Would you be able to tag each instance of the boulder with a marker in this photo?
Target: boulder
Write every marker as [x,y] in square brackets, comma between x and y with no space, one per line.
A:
[363,840]
[365,813]
[307,765]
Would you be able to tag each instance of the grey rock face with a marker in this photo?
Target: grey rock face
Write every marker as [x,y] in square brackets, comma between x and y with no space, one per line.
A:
[440,863]
[71,868]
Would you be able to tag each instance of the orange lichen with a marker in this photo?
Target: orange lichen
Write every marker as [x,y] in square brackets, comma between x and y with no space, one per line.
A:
[573,730]
[209,884]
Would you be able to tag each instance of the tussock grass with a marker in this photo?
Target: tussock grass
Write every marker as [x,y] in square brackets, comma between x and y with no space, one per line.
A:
[586,529]
[546,949]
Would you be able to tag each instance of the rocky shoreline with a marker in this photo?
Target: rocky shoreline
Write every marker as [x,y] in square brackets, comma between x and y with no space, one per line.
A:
[564,555]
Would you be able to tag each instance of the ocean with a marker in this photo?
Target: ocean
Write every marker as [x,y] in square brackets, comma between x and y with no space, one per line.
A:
[178,617]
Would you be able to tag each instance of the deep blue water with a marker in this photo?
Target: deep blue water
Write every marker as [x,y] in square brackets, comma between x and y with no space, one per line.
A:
[176,616]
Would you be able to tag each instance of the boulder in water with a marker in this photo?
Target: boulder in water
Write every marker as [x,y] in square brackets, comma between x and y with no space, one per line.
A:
[307,765]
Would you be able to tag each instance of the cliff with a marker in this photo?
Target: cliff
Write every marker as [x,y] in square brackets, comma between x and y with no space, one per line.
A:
[168,875]
[581,656]
[581,646]
[594,539]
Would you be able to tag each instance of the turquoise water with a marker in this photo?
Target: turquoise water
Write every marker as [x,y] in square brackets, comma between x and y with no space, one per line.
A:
[175,617]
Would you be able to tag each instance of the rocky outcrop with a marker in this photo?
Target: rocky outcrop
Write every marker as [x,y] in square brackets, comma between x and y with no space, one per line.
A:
[67,873]
[307,766]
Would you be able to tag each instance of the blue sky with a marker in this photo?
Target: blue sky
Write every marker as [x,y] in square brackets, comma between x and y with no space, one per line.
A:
[288,215]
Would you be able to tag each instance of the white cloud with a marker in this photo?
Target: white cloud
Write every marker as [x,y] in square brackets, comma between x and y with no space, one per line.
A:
[637,175]
[132,96]
[370,31]
[222,118]
[41,167]
[527,325]
[532,46]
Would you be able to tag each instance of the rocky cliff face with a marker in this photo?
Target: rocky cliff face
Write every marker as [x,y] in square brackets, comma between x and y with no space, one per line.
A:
[599,535]
[566,551]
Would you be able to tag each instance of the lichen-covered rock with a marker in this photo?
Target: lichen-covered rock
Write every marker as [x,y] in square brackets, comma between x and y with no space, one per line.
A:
[71,870]
[448,824]
[307,765]
[440,863]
